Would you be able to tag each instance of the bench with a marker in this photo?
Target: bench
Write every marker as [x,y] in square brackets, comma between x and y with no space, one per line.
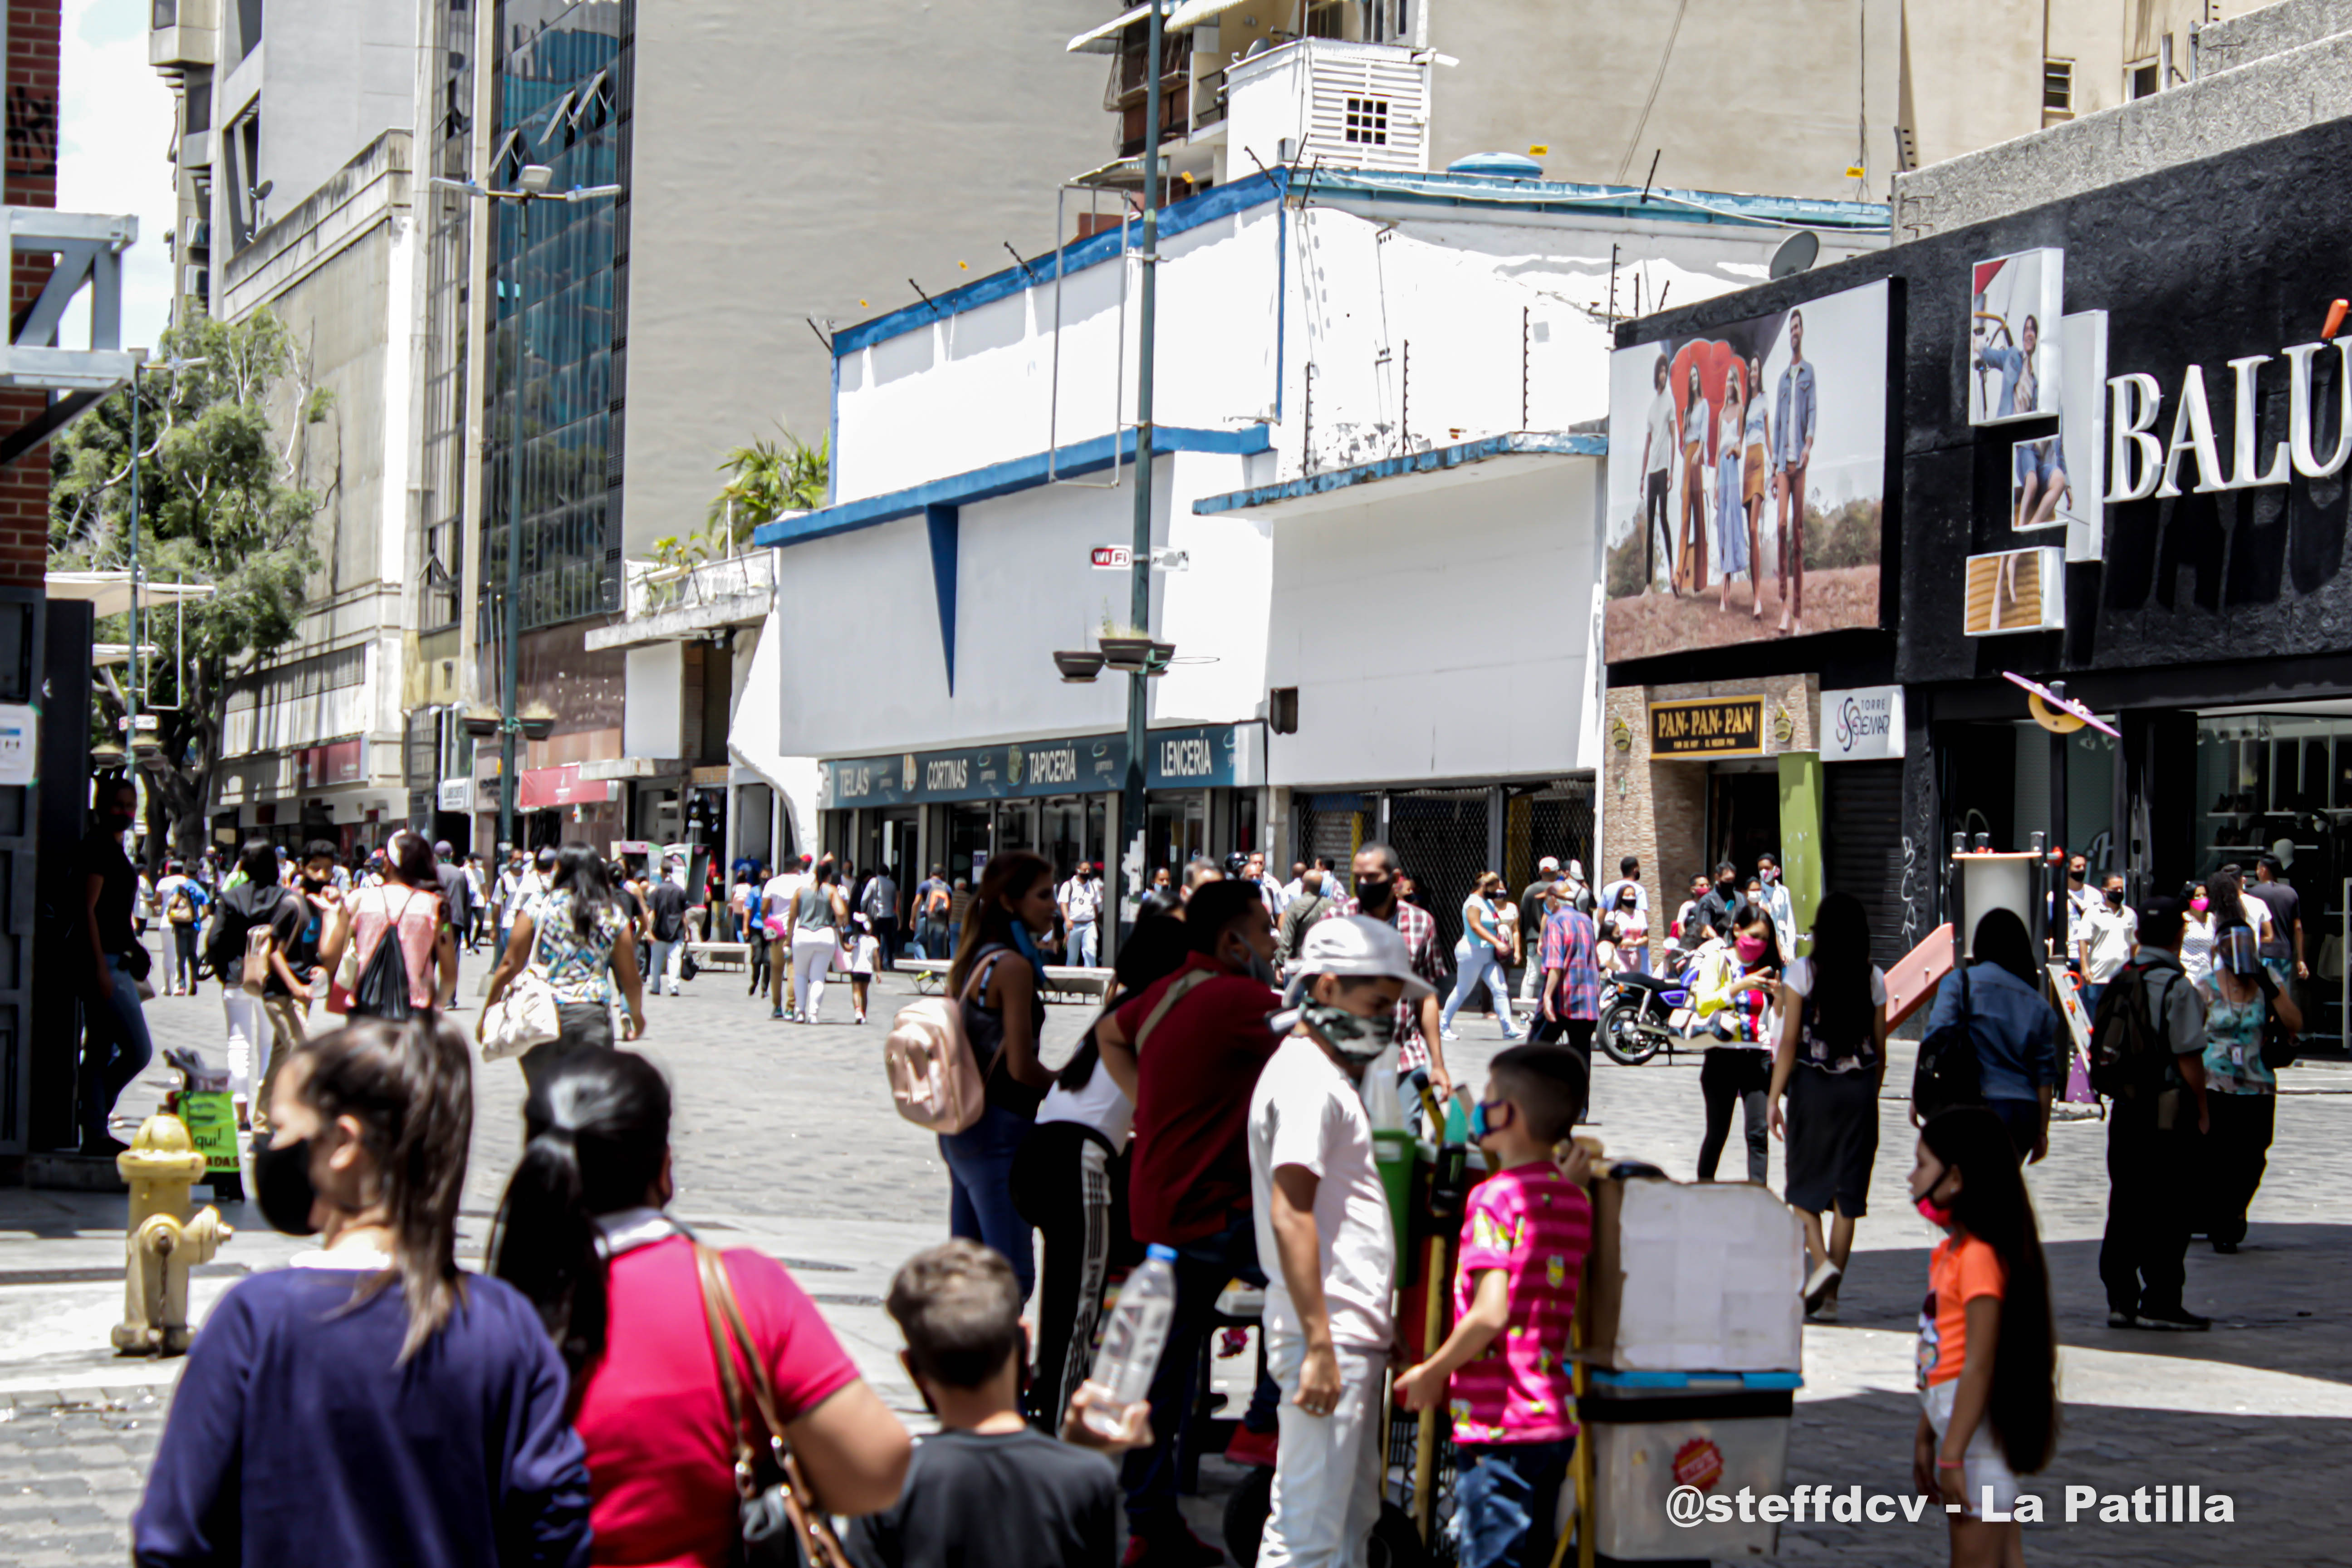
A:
[735,956]
[1063,983]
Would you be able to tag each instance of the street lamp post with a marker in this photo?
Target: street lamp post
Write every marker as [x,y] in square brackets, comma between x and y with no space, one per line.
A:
[1132,801]
[531,185]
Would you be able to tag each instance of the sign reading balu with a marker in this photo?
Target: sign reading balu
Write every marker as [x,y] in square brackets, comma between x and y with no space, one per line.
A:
[2141,464]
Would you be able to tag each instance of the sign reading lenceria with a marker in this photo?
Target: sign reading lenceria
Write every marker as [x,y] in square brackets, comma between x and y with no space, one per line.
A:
[1200,756]
[1708,727]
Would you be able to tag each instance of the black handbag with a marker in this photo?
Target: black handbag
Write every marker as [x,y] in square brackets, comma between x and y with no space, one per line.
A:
[1946,1072]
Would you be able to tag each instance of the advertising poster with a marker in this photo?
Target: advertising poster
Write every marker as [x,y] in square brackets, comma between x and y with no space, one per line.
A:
[1747,479]
[2015,590]
[2013,359]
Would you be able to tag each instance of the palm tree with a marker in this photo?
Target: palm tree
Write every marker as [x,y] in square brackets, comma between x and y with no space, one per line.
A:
[767,479]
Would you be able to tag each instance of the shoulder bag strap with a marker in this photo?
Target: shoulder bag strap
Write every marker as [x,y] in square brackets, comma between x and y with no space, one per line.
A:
[1175,993]
[730,1337]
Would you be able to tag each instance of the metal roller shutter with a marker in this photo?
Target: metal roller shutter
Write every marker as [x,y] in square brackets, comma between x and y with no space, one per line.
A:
[1863,846]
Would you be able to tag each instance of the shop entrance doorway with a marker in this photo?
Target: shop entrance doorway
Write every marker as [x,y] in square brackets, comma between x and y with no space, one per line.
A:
[1743,819]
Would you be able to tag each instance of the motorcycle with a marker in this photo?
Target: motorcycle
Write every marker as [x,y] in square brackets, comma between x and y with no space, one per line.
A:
[1640,1015]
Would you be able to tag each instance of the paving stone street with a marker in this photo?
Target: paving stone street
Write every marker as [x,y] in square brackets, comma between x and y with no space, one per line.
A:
[785,1141]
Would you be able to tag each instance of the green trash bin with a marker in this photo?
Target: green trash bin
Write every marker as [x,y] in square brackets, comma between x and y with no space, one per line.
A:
[1394,1151]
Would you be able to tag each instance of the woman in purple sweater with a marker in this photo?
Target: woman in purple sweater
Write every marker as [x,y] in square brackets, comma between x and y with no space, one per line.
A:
[370,1404]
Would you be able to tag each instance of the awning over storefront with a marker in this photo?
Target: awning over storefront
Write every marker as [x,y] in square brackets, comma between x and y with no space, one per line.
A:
[1104,40]
[537,789]
[1198,756]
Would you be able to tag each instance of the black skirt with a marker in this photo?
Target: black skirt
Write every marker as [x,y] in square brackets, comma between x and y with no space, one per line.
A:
[1832,1140]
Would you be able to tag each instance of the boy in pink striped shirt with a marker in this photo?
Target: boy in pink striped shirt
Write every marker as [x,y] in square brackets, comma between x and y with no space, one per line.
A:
[1525,1233]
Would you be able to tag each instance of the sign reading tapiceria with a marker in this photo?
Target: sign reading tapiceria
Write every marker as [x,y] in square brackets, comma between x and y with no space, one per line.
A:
[1708,727]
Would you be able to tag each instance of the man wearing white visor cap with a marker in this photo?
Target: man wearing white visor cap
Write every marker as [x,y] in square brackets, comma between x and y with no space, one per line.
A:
[1325,1240]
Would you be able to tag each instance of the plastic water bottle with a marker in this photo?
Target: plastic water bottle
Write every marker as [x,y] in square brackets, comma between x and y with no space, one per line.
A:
[1132,1340]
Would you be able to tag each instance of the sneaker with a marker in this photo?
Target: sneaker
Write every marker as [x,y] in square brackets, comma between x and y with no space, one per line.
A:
[2173,1318]
[1825,1313]
[1449,1035]
[1252,1449]
[1821,1285]
[776,1012]
[2119,1320]
[859,1019]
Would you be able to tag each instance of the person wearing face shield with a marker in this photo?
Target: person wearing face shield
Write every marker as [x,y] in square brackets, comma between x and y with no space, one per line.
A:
[1187,1051]
[1323,1227]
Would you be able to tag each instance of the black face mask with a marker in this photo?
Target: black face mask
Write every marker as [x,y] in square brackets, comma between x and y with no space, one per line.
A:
[1375,893]
[282,1189]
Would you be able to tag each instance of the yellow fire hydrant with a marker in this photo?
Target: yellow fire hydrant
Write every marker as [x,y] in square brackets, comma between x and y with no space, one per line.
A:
[161,1166]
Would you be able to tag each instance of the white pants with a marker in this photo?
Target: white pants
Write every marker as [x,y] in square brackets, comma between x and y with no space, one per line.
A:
[813,954]
[249,1038]
[1326,1471]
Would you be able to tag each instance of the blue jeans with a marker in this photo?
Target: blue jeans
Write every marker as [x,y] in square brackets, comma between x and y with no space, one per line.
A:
[1505,1496]
[116,1049]
[1471,969]
[1083,947]
[980,1206]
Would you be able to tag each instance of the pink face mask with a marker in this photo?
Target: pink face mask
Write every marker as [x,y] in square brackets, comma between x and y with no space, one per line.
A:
[2199,904]
[1751,948]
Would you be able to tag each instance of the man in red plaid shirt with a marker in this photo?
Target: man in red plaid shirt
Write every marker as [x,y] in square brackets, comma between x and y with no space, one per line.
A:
[1418,1050]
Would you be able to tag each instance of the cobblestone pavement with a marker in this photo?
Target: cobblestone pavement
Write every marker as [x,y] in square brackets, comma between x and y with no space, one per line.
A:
[785,1141]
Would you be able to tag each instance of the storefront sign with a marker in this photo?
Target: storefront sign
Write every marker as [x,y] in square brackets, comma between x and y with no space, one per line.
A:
[2142,463]
[337,762]
[1708,727]
[457,794]
[1208,756]
[1863,723]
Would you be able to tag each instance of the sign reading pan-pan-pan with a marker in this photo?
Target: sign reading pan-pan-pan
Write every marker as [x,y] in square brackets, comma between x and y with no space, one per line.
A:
[1708,727]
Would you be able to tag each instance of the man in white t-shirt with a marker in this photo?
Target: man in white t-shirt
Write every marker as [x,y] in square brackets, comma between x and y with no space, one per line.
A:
[1657,475]
[775,908]
[1081,901]
[2105,938]
[1325,1240]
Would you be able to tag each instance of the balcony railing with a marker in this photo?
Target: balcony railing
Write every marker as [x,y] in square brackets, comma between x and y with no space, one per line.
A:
[653,589]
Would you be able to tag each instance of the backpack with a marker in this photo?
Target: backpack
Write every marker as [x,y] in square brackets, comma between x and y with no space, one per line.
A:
[2127,1053]
[382,988]
[181,910]
[935,1080]
[1946,1073]
[877,905]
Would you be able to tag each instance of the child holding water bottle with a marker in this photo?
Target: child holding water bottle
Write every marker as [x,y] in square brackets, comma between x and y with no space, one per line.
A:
[1525,1233]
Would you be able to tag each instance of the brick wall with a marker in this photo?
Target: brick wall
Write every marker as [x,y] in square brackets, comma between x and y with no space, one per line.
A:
[1657,808]
[32,182]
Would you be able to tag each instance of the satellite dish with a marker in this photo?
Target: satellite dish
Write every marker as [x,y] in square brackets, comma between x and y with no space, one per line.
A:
[1797,252]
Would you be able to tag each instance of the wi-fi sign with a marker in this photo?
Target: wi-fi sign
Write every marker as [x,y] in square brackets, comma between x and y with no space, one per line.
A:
[1112,557]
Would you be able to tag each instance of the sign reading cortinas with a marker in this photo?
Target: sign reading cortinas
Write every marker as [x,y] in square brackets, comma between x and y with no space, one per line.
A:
[1708,727]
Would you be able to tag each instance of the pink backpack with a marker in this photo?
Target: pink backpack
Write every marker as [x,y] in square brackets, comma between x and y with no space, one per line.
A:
[934,1078]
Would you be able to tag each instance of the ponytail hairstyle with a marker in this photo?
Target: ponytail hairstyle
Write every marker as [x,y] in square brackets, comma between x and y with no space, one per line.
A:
[1993,1207]
[410,1086]
[598,1130]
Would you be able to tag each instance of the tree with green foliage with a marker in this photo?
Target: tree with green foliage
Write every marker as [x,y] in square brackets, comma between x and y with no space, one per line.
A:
[221,501]
[766,479]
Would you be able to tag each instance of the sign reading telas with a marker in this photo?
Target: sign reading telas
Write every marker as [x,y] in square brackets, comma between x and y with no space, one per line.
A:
[2141,464]
[1708,727]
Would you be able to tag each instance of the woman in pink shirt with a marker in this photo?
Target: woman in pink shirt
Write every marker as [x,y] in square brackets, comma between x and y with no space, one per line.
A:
[409,901]
[582,1234]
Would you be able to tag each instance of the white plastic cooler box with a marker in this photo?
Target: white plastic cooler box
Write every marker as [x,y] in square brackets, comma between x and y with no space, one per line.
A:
[1652,1432]
[1695,1276]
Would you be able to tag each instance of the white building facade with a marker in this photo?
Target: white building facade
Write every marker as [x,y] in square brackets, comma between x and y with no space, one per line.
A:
[1379,399]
